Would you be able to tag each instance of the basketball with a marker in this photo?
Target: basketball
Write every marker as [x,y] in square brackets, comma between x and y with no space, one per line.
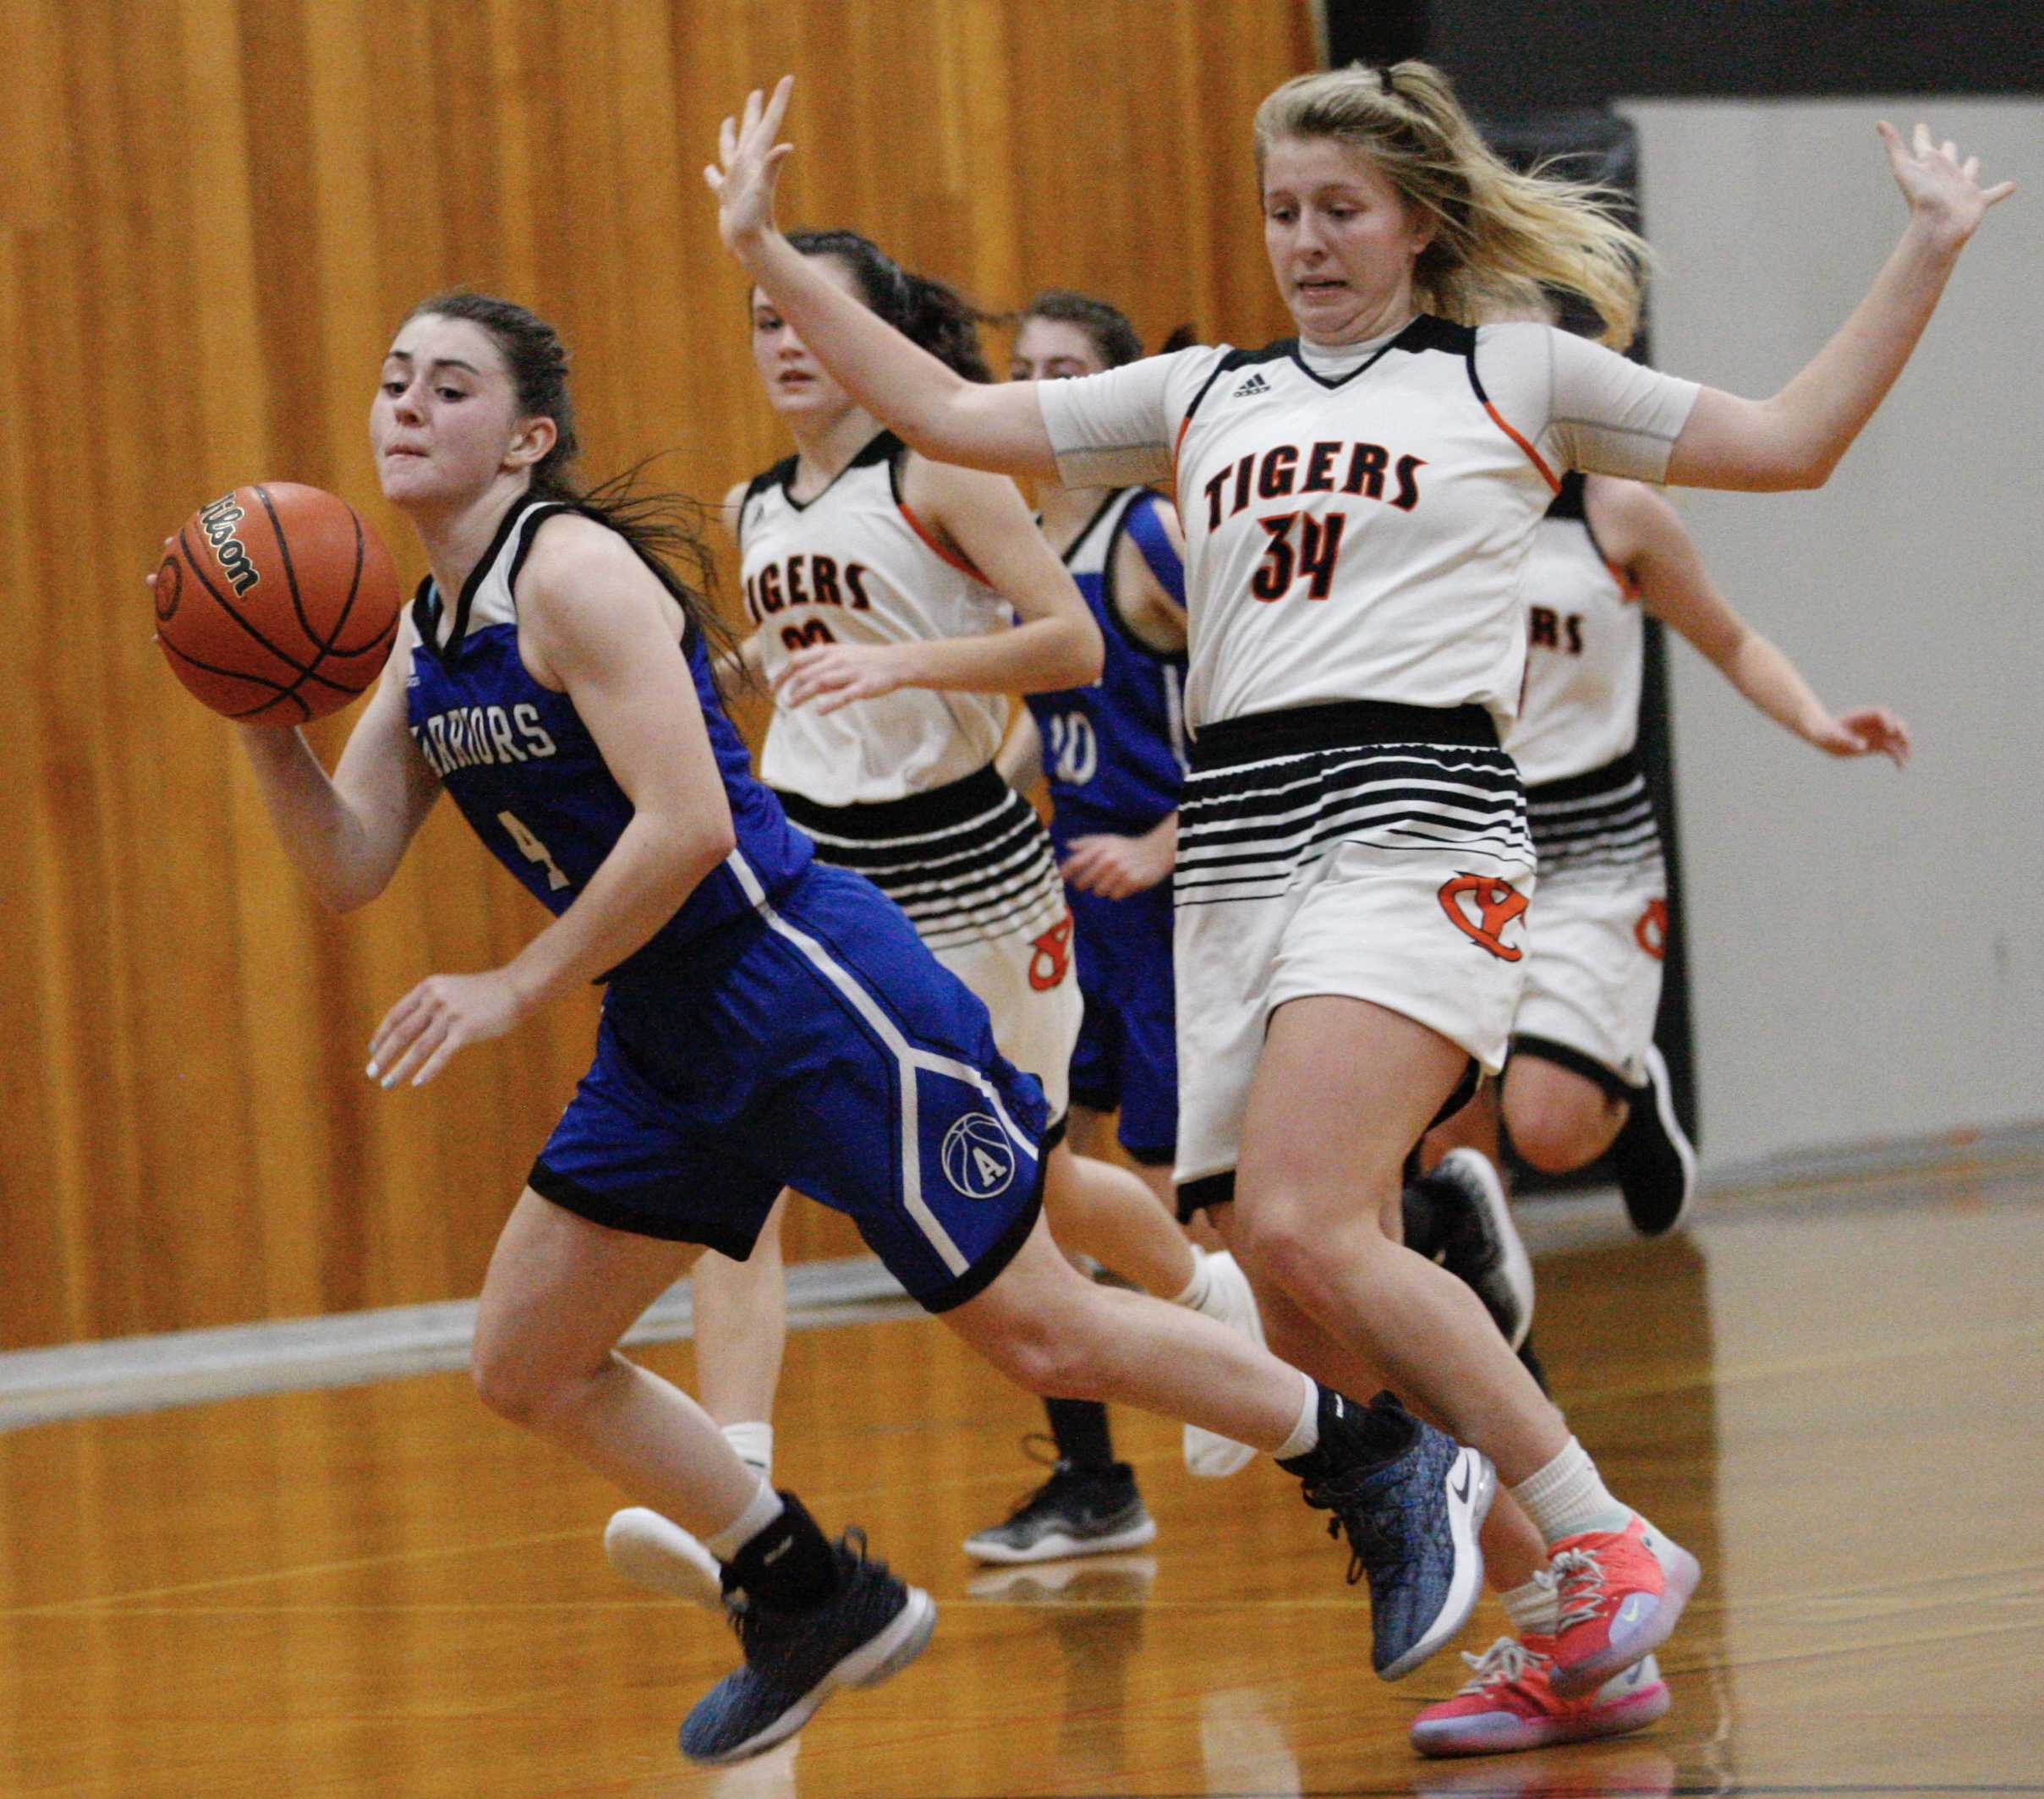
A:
[276,604]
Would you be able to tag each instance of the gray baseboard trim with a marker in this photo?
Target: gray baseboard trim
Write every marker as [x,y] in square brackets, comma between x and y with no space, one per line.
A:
[144,1374]
[180,1367]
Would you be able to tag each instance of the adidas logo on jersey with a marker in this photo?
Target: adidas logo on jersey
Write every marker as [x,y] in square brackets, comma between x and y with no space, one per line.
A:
[1255,383]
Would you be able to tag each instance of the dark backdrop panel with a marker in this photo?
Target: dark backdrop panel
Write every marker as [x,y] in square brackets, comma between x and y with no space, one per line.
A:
[1506,54]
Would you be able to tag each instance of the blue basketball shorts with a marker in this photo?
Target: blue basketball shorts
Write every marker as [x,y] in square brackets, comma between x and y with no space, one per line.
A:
[819,1045]
[1128,1053]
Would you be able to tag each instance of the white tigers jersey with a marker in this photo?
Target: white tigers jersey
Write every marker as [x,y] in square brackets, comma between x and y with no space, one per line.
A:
[1585,646]
[854,566]
[1359,535]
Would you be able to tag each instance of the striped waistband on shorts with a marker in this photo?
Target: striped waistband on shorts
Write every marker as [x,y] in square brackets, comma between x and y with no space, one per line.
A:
[964,861]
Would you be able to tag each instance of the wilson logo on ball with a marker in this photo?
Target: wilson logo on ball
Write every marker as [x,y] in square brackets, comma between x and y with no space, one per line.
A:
[218,521]
[979,1159]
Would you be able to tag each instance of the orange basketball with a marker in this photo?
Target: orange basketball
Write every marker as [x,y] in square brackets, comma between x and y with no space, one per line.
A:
[276,604]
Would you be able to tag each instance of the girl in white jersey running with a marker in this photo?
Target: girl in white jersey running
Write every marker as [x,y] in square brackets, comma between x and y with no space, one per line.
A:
[1354,860]
[883,588]
[1585,1078]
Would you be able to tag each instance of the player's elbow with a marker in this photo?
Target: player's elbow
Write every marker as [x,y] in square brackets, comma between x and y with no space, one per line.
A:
[701,844]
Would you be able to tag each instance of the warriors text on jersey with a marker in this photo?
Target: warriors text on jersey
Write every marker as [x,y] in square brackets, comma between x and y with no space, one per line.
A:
[526,773]
[1114,753]
[1356,520]
[854,565]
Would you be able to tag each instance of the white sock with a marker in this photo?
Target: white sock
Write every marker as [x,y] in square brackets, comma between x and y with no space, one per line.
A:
[1567,1497]
[754,1443]
[1306,1433]
[1532,1607]
[765,1506]
[1195,1294]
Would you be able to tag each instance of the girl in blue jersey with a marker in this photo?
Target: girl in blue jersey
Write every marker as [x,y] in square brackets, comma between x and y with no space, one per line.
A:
[766,1021]
[1359,499]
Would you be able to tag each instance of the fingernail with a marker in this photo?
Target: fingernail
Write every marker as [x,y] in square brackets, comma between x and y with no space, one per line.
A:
[371,1071]
[388,1082]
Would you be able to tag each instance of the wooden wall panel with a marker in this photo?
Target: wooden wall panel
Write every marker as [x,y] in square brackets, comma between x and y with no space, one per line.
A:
[212,215]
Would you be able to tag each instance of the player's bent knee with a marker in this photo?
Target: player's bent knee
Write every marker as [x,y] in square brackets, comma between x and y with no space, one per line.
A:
[1281,1251]
[1559,1139]
[521,1389]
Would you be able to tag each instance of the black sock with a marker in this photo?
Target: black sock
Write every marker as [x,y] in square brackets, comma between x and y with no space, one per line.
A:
[1354,1437]
[1080,1426]
[789,1566]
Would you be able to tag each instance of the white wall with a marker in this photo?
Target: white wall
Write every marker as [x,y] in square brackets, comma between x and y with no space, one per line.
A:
[1866,948]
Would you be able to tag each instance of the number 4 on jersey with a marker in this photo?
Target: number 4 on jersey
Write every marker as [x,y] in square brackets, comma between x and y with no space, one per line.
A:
[1311,560]
[533,850]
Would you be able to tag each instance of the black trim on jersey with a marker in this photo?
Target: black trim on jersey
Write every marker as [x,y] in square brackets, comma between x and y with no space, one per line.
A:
[937,808]
[1563,1056]
[1241,360]
[1123,629]
[1339,725]
[878,448]
[1571,502]
[1424,331]
[1092,524]
[426,618]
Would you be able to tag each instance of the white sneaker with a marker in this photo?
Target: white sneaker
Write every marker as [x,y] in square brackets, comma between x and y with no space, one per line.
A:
[1229,1301]
[652,1551]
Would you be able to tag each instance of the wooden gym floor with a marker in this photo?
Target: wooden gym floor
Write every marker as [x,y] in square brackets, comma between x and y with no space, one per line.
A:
[1834,1393]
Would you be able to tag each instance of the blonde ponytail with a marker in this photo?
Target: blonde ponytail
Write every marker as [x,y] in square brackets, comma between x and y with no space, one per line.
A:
[1496,233]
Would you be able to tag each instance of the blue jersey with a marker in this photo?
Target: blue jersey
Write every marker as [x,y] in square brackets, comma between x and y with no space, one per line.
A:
[1114,753]
[529,778]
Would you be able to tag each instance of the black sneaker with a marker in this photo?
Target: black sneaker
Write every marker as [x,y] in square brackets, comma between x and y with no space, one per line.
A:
[1655,1164]
[1479,1244]
[872,1625]
[1412,1502]
[1077,1512]
[1530,1359]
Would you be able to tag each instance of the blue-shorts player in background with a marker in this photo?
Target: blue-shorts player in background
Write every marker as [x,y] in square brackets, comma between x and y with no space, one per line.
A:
[766,1022]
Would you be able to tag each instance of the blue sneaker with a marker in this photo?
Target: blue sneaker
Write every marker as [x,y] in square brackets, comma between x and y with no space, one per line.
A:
[872,1625]
[1412,1502]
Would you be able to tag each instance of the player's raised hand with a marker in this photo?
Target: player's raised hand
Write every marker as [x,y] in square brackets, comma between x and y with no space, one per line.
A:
[1943,191]
[748,168]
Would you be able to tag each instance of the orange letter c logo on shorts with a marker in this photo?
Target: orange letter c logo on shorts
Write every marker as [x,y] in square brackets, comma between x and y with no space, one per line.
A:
[1052,955]
[1498,902]
[1651,933]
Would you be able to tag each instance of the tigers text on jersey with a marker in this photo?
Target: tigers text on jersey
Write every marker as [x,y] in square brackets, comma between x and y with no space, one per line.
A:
[1114,753]
[529,777]
[1359,535]
[1584,649]
[854,566]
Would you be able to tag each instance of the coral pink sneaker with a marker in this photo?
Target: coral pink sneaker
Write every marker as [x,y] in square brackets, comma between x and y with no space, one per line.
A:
[1509,1704]
[1619,1593]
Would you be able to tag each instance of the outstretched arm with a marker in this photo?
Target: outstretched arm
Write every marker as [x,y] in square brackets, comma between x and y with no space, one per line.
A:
[1644,533]
[931,409]
[1796,439]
